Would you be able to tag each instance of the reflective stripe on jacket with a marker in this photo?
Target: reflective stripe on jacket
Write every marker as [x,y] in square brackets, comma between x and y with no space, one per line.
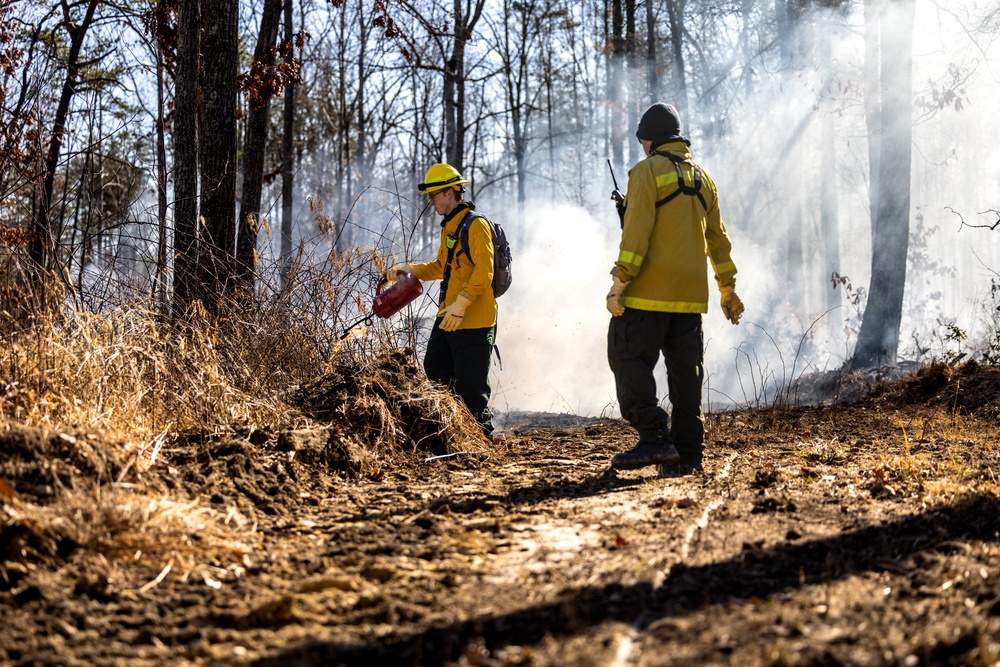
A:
[472,282]
[663,250]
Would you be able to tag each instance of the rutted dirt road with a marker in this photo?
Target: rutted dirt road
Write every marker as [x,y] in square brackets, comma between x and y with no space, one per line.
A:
[853,535]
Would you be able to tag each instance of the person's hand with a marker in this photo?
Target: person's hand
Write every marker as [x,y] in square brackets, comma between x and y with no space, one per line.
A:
[614,304]
[732,306]
[454,313]
[390,273]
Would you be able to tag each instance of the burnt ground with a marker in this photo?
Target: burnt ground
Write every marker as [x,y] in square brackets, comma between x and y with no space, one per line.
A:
[856,534]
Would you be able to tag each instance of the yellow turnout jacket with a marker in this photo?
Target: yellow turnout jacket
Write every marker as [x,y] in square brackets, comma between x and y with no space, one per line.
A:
[663,250]
[472,282]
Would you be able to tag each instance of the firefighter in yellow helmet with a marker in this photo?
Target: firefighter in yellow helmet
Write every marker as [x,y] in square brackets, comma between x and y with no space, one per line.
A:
[671,229]
[464,332]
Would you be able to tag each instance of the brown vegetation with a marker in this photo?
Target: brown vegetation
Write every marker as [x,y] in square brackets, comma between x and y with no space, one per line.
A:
[160,507]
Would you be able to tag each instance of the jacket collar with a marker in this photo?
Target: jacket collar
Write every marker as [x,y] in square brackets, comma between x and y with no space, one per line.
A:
[461,207]
[676,145]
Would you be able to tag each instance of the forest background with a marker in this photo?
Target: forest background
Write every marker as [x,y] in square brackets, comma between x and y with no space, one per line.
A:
[263,156]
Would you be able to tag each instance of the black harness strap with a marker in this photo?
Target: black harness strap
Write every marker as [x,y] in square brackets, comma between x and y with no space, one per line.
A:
[682,187]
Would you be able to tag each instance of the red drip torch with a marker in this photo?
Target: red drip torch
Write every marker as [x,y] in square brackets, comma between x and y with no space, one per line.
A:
[390,301]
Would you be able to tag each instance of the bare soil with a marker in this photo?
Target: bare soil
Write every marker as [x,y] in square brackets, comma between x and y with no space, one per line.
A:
[853,534]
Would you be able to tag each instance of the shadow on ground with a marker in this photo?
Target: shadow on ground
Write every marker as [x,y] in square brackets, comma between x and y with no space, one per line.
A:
[754,574]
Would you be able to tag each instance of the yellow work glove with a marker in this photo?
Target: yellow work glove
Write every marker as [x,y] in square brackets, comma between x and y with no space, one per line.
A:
[615,306]
[732,306]
[454,313]
[390,273]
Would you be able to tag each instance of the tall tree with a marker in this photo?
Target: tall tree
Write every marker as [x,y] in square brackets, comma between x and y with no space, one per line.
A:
[679,88]
[186,140]
[829,210]
[43,237]
[287,153]
[515,43]
[790,21]
[217,258]
[878,340]
[652,75]
[634,105]
[260,85]
[616,85]
[465,16]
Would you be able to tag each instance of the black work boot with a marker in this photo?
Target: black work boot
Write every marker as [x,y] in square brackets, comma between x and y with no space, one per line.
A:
[646,453]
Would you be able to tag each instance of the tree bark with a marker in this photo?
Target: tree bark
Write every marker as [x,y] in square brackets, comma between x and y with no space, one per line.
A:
[186,151]
[633,105]
[675,12]
[287,156]
[159,289]
[652,77]
[454,82]
[217,260]
[878,340]
[255,141]
[616,87]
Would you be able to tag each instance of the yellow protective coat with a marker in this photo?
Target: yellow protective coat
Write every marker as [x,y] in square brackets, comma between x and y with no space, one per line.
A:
[663,250]
[472,282]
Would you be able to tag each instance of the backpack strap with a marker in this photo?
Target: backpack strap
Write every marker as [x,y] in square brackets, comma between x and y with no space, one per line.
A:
[460,238]
[682,187]
[451,241]
[463,233]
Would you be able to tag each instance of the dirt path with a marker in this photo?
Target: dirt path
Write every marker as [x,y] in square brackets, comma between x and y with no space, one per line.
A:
[814,537]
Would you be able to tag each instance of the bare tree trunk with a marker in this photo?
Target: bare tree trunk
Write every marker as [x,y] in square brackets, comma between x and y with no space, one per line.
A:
[41,246]
[632,105]
[829,210]
[652,78]
[362,114]
[255,141]
[454,82]
[873,104]
[878,340]
[217,260]
[159,288]
[287,156]
[675,12]
[616,86]
[186,149]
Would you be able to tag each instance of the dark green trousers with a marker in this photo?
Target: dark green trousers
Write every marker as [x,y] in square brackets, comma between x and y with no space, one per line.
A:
[461,360]
[635,342]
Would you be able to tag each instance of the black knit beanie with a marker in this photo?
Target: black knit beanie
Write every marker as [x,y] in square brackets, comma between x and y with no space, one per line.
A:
[661,121]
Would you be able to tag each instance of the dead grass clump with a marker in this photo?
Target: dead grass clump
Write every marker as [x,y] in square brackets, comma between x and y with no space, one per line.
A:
[390,406]
[120,525]
[971,388]
[128,373]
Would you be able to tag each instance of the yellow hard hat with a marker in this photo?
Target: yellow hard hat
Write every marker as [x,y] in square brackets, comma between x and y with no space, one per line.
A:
[439,177]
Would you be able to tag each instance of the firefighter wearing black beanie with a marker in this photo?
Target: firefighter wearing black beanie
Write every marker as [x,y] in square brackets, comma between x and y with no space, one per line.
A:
[671,229]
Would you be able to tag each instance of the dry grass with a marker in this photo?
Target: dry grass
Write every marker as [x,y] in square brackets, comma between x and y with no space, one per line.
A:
[121,523]
[91,400]
[125,370]
[126,373]
[388,405]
